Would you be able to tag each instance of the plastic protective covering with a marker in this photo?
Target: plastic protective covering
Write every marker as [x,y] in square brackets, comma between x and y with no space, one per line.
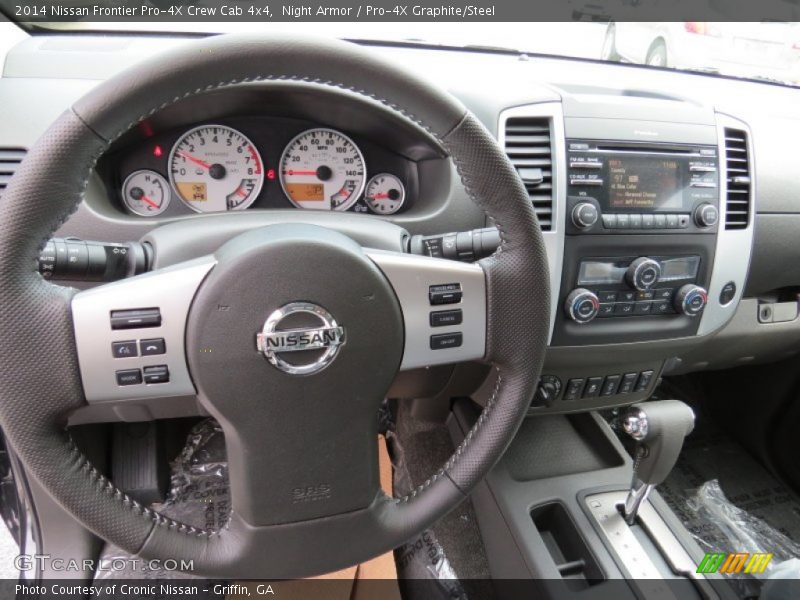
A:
[199,496]
[738,530]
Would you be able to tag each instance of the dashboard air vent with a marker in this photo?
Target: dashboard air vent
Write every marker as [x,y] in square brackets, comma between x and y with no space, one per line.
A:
[737,163]
[528,146]
[9,161]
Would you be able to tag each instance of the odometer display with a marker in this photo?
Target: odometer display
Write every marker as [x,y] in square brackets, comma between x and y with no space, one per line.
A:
[214,168]
[322,169]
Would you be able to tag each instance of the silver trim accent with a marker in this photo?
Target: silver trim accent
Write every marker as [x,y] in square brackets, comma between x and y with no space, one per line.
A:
[171,290]
[637,496]
[641,571]
[331,338]
[734,246]
[411,277]
[553,239]
[635,424]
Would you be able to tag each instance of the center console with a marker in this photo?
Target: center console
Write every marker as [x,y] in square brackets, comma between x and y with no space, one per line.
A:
[650,242]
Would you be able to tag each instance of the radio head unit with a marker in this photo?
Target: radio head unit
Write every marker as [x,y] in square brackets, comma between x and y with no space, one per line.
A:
[619,187]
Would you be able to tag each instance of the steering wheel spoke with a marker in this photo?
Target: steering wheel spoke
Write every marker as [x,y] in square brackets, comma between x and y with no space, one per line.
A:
[443,304]
[130,335]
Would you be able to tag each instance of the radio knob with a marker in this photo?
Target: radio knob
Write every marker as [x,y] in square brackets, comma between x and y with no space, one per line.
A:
[582,305]
[691,300]
[584,215]
[706,215]
[643,273]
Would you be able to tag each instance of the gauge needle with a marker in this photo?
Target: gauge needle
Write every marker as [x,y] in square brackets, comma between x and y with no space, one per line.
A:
[380,196]
[196,161]
[293,172]
[150,202]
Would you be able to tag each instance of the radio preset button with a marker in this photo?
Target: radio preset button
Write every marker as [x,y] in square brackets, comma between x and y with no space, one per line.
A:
[636,221]
[672,221]
[623,221]
[610,221]
[660,221]
[648,222]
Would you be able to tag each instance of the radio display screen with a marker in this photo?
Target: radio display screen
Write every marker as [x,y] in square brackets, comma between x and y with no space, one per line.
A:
[644,183]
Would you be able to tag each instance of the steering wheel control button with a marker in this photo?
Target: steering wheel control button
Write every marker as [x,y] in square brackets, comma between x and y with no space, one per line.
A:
[627,383]
[574,389]
[727,294]
[691,300]
[153,347]
[156,374]
[644,381]
[593,385]
[444,318]
[135,319]
[129,377]
[446,293]
[582,305]
[443,341]
[126,349]
[643,273]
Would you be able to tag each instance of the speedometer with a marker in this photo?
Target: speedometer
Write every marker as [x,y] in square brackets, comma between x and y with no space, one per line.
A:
[215,168]
[322,169]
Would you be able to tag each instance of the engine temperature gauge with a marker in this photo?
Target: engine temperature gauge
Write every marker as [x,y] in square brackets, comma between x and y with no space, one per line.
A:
[385,194]
[145,193]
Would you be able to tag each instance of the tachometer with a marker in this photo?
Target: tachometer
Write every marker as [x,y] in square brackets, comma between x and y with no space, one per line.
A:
[216,168]
[322,169]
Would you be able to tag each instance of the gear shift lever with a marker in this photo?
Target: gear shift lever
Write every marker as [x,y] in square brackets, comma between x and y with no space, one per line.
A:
[659,429]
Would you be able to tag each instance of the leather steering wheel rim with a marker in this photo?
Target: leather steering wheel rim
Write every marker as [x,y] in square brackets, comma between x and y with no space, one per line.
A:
[41,385]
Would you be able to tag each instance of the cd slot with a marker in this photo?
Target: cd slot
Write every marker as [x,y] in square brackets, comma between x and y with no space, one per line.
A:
[626,148]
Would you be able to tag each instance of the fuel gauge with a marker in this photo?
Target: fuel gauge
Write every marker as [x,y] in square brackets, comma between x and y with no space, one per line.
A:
[385,194]
[145,193]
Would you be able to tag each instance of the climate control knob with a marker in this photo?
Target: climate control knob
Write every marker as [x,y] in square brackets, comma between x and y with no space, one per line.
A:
[582,305]
[584,215]
[643,273]
[706,215]
[691,300]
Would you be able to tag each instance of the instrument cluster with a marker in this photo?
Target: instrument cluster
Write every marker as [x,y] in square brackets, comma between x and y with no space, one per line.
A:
[260,162]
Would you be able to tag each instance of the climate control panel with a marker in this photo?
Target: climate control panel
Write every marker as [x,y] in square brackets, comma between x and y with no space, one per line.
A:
[636,287]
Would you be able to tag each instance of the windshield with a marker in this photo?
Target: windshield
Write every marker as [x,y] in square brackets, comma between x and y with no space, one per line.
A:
[764,51]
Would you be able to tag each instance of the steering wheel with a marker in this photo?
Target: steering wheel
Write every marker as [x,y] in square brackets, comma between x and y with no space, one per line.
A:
[301,445]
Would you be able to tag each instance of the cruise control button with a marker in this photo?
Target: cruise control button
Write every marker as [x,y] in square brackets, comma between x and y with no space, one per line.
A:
[443,318]
[644,381]
[156,374]
[153,347]
[610,385]
[135,318]
[443,341]
[628,381]
[447,293]
[129,377]
[592,388]
[574,389]
[124,349]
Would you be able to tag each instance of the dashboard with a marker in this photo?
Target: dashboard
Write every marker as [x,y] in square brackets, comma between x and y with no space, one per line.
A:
[667,200]
[255,161]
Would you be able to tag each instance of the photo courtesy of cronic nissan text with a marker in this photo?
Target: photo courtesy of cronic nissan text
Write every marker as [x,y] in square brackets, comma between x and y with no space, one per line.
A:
[387,300]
